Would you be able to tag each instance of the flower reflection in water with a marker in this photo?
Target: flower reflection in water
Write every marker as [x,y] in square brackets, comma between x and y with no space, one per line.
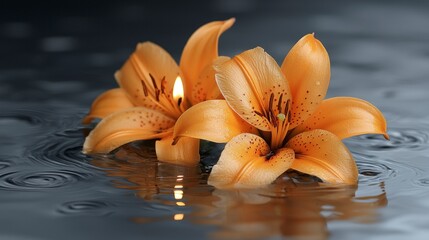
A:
[295,205]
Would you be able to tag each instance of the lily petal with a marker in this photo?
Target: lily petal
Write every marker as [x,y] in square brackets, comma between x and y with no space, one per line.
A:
[346,117]
[206,86]
[129,125]
[253,84]
[322,154]
[246,162]
[149,71]
[108,102]
[201,50]
[307,68]
[211,120]
[185,152]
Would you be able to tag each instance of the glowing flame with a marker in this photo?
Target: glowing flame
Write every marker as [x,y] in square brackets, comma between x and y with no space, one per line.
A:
[178,89]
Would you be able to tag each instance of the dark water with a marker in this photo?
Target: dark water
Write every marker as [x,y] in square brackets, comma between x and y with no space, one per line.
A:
[55,59]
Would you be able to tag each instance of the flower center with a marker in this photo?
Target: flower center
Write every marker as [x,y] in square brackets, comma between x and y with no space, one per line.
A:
[172,105]
[279,118]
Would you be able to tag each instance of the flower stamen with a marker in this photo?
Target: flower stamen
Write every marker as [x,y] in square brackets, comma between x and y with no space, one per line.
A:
[280,124]
[157,91]
[158,96]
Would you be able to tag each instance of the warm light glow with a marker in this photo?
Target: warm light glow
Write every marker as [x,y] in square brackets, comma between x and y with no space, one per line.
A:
[178,194]
[179,216]
[180,204]
[178,89]
[178,186]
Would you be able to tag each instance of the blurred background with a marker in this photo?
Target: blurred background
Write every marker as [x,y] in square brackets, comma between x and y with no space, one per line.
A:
[65,47]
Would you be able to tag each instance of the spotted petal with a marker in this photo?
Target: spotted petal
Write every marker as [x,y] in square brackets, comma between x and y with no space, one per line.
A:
[206,87]
[129,125]
[346,117]
[108,102]
[307,68]
[322,154]
[253,84]
[201,50]
[246,161]
[211,120]
[185,152]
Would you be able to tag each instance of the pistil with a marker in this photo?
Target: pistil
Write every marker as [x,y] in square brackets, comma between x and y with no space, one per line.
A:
[280,123]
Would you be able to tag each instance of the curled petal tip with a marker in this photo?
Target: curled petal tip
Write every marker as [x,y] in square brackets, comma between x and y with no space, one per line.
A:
[231,20]
[386,136]
[87,120]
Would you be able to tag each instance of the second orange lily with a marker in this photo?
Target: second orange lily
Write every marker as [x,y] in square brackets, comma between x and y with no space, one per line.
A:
[294,128]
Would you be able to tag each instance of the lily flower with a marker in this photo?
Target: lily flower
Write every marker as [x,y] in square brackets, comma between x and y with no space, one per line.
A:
[154,91]
[297,128]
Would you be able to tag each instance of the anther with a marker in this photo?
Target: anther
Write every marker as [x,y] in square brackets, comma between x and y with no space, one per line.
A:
[270,105]
[144,88]
[258,113]
[157,92]
[287,106]
[163,83]
[153,81]
[279,104]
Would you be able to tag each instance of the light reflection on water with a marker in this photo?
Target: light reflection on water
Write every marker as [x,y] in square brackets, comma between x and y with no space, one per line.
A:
[52,70]
[295,205]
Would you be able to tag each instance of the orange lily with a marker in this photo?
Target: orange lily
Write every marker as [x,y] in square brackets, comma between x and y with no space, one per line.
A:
[152,96]
[297,129]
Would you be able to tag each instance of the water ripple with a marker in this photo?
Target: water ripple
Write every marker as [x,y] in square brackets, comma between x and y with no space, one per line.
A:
[85,207]
[64,149]
[20,123]
[423,182]
[3,162]
[373,169]
[22,181]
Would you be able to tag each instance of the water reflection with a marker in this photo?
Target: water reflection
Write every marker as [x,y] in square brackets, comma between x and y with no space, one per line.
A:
[294,206]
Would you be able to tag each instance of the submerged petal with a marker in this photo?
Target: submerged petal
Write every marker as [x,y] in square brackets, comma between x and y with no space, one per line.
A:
[346,117]
[148,72]
[322,154]
[211,120]
[185,152]
[307,68]
[108,102]
[247,161]
[201,50]
[129,125]
[254,86]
